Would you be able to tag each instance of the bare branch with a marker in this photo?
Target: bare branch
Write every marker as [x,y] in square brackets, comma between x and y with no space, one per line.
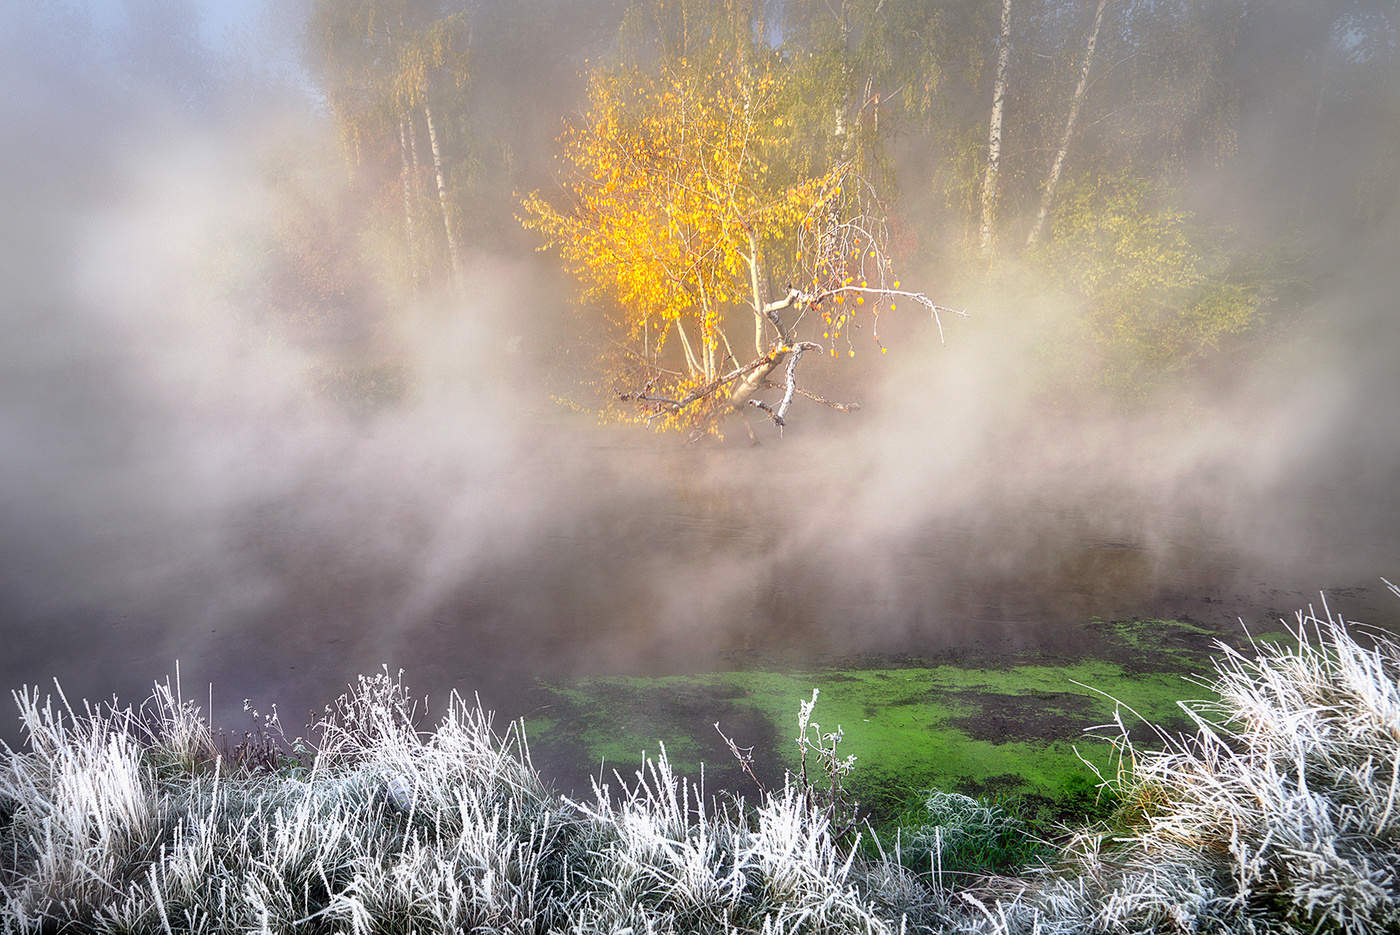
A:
[704,390]
[797,351]
[643,397]
[760,404]
[745,757]
[771,310]
[779,415]
[818,398]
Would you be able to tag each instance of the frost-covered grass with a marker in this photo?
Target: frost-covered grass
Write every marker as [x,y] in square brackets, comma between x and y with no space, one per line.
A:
[119,820]
[1280,813]
[951,833]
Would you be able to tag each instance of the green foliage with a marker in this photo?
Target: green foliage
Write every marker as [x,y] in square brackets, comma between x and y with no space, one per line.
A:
[951,833]
[1158,291]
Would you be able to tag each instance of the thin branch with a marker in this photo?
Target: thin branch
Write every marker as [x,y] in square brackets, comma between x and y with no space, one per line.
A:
[745,757]
[818,398]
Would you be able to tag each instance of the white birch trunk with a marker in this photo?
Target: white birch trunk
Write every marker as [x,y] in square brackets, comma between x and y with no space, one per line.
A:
[1052,181]
[408,201]
[991,180]
[690,360]
[417,166]
[453,250]
[757,297]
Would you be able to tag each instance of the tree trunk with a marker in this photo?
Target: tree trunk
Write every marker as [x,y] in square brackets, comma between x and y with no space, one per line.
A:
[453,250]
[990,180]
[753,382]
[707,334]
[417,166]
[410,226]
[1052,181]
[757,297]
[690,360]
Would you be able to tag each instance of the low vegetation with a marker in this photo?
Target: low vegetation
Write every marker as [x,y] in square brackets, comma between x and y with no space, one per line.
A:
[1279,811]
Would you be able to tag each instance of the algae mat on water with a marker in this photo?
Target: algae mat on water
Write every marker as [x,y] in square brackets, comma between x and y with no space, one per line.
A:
[1013,729]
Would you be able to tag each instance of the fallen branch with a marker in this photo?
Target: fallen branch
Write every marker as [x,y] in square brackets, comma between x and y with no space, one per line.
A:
[818,398]
[779,415]
[697,394]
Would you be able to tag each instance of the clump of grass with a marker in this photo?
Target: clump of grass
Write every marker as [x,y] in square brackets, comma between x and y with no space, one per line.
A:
[952,837]
[122,820]
[1279,813]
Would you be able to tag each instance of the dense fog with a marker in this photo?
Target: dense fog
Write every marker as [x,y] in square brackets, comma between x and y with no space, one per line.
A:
[233,434]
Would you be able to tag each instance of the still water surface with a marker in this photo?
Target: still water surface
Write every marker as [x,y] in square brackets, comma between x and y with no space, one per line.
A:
[585,568]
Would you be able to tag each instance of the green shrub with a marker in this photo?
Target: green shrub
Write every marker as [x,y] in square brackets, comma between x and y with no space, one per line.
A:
[956,835]
[1158,290]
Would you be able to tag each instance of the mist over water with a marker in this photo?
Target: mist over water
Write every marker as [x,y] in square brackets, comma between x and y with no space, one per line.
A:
[177,482]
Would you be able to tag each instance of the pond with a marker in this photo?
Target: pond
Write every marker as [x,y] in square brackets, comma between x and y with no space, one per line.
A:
[555,561]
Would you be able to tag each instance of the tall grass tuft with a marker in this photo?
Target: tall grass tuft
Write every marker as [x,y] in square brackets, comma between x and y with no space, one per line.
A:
[1280,813]
[956,835]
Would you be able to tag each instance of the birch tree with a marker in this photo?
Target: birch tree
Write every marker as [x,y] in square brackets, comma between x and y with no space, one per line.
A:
[673,213]
[991,179]
[410,199]
[383,65]
[1052,180]
[428,60]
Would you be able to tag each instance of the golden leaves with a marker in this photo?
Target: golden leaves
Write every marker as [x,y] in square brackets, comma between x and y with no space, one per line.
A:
[667,192]
[678,190]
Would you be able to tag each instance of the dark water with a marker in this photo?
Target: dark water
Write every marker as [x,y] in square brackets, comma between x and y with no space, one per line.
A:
[677,569]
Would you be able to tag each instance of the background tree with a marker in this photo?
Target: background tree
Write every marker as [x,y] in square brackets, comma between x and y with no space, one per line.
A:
[1279,110]
[1052,180]
[430,60]
[992,178]
[383,64]
[1159,293]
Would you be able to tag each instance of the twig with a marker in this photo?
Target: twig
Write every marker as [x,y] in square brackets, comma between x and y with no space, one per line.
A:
[745,757]
[818,398]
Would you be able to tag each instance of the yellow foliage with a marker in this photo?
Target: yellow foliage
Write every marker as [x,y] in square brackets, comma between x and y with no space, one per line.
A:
[679,194]
[669,200]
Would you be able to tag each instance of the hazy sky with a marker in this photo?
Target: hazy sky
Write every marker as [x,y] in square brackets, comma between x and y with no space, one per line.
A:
[219,20]
[267,33]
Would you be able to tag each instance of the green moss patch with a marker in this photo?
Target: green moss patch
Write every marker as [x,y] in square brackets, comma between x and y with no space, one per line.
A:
[1010,731]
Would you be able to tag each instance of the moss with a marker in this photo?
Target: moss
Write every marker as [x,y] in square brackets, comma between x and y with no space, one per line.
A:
[1012,732]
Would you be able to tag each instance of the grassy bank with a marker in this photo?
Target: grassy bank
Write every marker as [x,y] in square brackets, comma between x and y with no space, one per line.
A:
[1278,811]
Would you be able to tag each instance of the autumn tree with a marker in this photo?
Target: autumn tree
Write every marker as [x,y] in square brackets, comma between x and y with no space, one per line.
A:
[680,206]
